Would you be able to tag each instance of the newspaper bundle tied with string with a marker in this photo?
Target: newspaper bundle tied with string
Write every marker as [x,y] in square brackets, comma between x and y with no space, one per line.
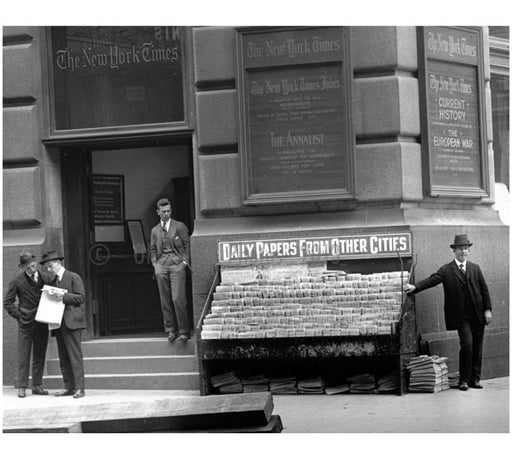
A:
[51,307]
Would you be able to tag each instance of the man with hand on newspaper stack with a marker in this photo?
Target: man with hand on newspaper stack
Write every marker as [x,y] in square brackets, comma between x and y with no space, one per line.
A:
[467,308]
[69,334]
[32,335]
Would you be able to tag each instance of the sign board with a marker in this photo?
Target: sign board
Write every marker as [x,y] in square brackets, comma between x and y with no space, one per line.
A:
[315,248]
[453,131]
[108,199]
[294,104]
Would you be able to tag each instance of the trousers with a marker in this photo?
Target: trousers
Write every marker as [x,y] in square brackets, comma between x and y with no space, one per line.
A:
[32,339]
[171,280]
[471,339]
[69,345]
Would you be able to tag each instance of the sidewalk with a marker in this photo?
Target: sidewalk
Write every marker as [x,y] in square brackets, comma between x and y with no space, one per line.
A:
[474,411]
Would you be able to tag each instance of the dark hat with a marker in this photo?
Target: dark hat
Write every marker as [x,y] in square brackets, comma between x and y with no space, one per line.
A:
[461,239]
[25,259]
[50,256]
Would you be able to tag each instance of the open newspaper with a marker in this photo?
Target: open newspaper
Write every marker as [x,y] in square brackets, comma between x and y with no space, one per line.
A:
[51,307]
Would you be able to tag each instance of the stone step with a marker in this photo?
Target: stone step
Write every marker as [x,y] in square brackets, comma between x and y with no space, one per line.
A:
[131,364]
[134,381]
[114,347]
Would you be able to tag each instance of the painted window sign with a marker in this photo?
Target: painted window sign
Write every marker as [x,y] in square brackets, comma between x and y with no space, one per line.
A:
[116,76]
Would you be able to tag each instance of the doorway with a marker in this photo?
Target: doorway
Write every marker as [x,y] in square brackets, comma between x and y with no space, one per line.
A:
[110,209]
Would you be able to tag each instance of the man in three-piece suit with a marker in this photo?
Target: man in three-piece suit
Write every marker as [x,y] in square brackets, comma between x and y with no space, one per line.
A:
[32,335]
[69,334]
[467,308]
[170,256]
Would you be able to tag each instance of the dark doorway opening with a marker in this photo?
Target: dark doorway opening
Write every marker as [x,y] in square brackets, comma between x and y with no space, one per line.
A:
[107,229]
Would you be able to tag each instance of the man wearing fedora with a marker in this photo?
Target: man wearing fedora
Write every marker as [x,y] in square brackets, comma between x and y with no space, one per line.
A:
[467,308]
[69,334]
[32,335]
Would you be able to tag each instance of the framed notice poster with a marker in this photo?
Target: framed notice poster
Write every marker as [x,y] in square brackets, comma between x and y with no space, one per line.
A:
[108,199]
[108,208]
[294,100]
[453,118]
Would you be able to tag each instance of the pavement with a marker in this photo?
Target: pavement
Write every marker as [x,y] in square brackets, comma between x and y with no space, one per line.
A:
[450,411]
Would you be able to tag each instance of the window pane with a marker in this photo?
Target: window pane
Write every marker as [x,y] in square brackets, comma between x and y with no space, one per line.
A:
[499,31]
[500,127]
[116,76]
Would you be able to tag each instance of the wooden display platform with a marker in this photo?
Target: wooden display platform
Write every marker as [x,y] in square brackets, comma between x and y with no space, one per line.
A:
[220,413]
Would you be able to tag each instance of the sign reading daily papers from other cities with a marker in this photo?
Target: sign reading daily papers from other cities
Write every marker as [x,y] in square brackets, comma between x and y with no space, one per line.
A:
[319,248]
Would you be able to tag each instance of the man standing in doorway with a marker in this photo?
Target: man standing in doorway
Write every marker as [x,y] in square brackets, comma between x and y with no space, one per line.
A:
[467,308]
[170,256]
[69,334]
[32,335]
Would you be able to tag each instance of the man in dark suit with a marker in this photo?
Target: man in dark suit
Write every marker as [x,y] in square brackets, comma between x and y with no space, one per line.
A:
[467,308]
[170,256]
[69,334]
[32,335]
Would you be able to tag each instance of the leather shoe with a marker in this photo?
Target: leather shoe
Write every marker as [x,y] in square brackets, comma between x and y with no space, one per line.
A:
[172,337]
[38,390]
[183,337]
[64,393]
[463,386]
[79,393]
[475,385]
[21,392]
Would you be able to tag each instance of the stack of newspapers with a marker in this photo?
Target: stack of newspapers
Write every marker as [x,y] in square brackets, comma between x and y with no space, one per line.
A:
[389,384]
[311,386]
[333,386]
[362,384]
[428,373]
[283,385]
[226,383]
[256,383]
[453,379]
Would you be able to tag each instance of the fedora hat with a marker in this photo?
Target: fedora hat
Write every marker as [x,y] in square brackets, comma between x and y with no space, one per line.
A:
[25,259]
[50,256]
[460,239]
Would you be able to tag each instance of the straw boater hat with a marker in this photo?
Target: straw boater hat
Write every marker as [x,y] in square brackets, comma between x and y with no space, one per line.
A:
[461,239]
[50,256]
[25,259]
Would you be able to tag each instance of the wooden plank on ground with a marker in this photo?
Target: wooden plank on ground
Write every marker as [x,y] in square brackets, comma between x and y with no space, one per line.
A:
[275,425]
[74,427]
[180,413]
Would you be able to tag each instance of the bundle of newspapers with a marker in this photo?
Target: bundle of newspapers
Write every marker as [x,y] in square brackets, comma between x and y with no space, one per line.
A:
[283,385]
[336,386]
[388,384]
[311,385]
[226,383]
[256,383]
[453,379]
[428,373]
[362,384]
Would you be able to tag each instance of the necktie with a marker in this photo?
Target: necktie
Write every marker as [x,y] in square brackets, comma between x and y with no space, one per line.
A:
[34,278]
[461,267]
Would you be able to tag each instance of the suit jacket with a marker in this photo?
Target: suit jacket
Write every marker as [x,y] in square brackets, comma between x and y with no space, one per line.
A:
[74,299]
[28,297]
[180,240]
[453,279]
